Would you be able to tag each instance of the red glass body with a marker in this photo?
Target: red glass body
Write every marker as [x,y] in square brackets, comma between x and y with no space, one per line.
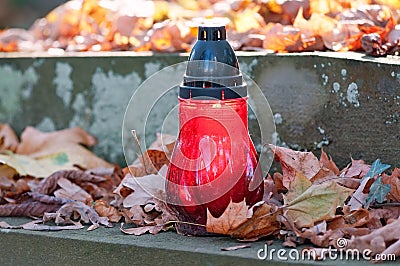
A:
[214,162]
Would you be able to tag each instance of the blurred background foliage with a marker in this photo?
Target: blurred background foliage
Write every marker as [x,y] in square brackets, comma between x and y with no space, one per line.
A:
[22,13]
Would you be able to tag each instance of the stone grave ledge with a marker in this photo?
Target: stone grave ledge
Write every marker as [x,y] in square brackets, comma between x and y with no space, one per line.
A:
[109,246]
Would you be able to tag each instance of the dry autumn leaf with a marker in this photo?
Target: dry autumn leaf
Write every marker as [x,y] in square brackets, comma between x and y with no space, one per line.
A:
[105,210]
[263,222]
[234,215]
[61,147]
[317,203]
[8,138]
[296,161]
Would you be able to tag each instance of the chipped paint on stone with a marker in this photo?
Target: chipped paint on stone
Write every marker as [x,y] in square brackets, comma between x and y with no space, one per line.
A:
[325,79]
[46,125]
[278,119]
[14,83]
[353,94]
[321,130]
[336,87]
[81,112]
[109,103]
[150,68]
[247,69]
[63,82]
[343,72]
[324,142]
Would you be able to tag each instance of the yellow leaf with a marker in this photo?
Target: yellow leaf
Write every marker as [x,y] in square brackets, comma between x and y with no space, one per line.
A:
[317,203]
[297,187]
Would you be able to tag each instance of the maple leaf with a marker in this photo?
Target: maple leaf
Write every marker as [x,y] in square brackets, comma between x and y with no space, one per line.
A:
[316,203]
[234,215]
[378,191]
[296,161]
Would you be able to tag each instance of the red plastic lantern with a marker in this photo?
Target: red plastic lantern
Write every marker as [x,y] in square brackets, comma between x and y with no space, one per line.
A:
[214,160]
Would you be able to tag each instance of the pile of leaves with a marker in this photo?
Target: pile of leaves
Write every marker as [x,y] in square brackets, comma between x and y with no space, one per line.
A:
[170,26]
[312,201]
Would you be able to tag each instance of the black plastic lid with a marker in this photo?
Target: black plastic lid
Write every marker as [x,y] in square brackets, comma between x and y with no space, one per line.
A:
[213,69]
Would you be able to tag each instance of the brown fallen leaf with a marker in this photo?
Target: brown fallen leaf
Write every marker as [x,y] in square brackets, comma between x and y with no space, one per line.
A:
[358,168]
[296,161]
[77,210]
[263,222]
[235,247]
[8,138]
[328,163]
[105,210]
[137,231]
[233,216]
[34,226]
[27,209]
[49,185]
[71,191]
[61,147]
[394,181]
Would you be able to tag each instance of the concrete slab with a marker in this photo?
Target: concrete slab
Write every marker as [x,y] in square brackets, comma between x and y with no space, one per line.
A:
[109,246]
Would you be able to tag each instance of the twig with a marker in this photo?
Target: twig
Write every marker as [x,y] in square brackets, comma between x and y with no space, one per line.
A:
[140,149]
[387,204]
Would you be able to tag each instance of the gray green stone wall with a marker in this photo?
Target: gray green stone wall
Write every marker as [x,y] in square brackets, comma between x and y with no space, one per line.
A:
[346,103]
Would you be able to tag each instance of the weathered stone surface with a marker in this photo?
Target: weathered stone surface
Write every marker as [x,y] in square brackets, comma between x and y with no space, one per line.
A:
[109,246]
[346,103]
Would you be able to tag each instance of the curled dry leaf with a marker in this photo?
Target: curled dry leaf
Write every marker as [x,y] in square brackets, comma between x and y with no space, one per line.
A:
[296,161]
[105,210]
[69,211]
[49,185]
[28,209]
[61,147]
[263,222]
[137,231]
[8,138]
[71,191]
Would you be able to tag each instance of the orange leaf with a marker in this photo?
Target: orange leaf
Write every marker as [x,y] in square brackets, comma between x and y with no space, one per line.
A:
[234,216]
[8,138]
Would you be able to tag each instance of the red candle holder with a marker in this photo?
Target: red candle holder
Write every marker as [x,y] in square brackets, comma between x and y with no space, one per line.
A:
[214,160]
